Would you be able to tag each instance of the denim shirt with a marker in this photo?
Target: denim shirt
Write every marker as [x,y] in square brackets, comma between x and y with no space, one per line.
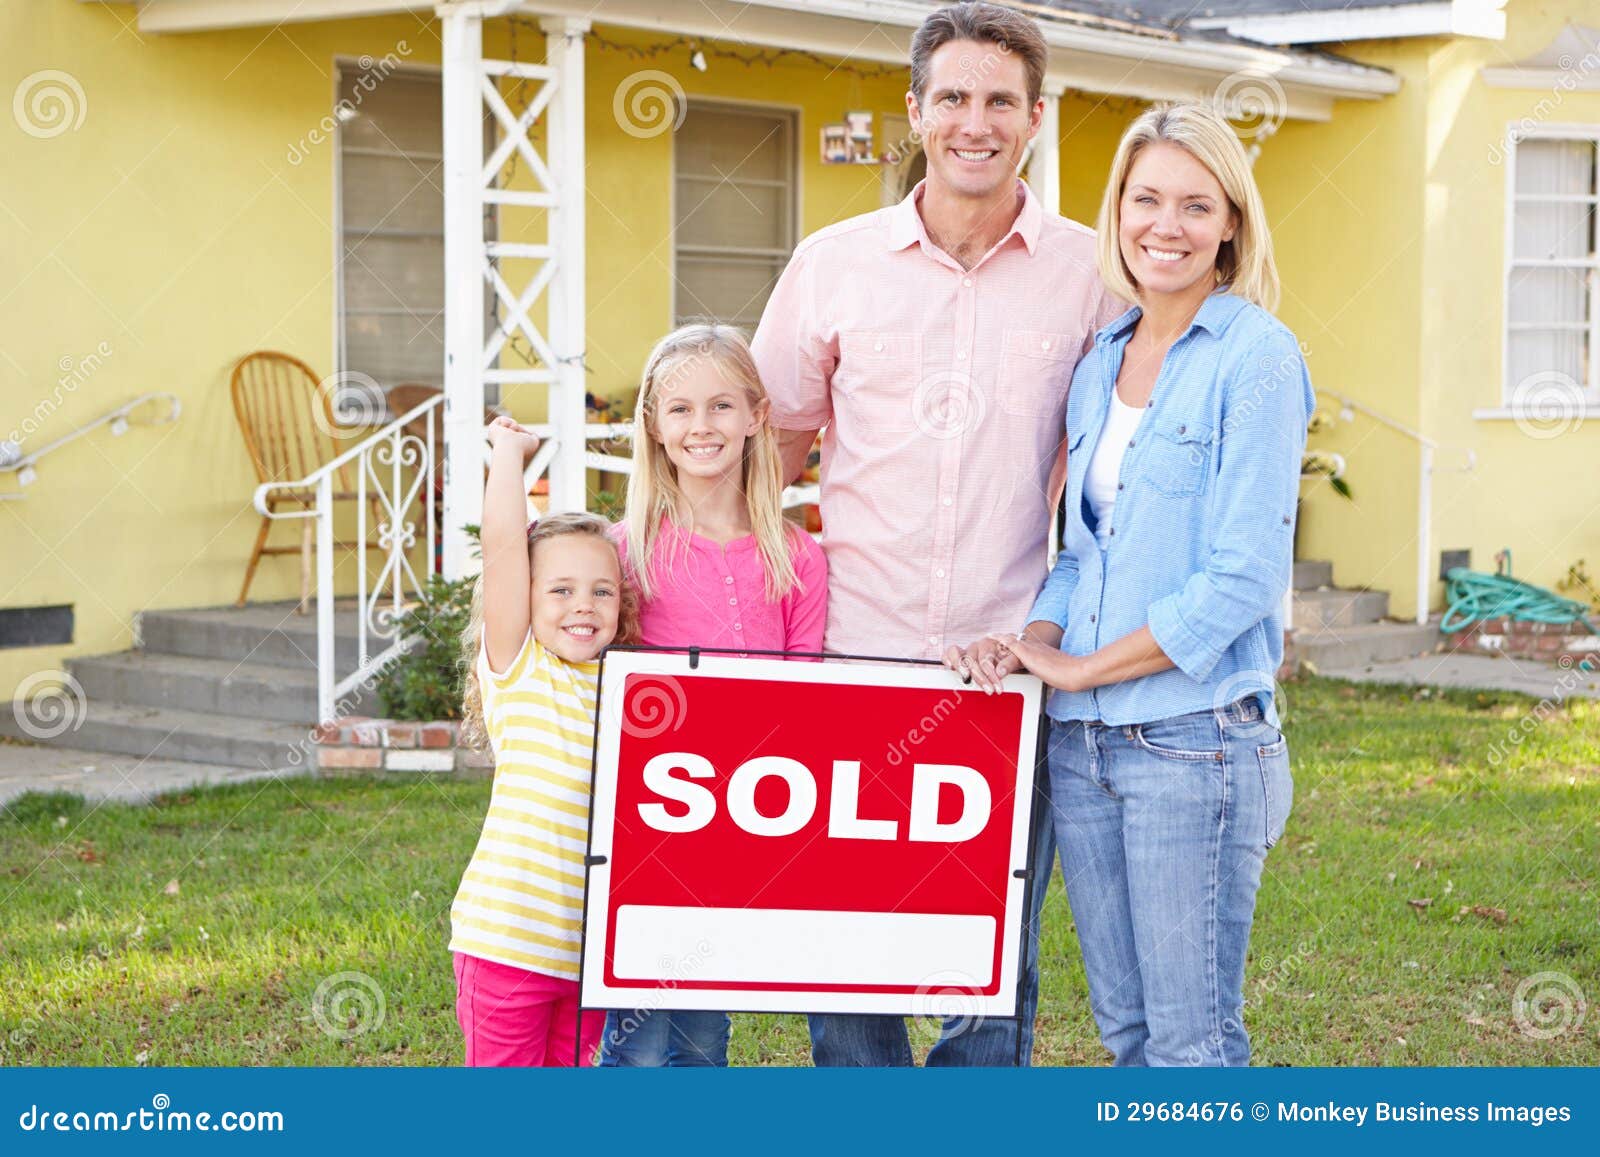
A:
[1200,548]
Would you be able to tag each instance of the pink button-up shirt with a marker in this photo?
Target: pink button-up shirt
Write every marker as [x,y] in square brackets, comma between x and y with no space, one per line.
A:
[712,595]
[944,392]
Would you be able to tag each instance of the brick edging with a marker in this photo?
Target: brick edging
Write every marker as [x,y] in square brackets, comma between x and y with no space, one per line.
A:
[1551,642]
[358,742]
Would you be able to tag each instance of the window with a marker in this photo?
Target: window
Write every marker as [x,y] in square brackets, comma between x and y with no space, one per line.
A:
[391,226]
[735,211]
[1552,340]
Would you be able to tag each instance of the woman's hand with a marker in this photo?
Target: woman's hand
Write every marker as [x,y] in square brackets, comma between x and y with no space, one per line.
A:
[508,431]
[985,663]
[1052,666]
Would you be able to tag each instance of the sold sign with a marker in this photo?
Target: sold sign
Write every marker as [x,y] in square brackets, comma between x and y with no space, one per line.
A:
[806,837]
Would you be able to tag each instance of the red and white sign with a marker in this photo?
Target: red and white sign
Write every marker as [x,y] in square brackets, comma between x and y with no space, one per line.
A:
[806,837]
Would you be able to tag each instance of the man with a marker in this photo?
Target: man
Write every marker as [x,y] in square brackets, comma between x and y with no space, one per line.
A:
[935,341]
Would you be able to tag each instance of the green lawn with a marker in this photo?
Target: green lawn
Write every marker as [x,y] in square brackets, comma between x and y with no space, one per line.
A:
[1422,879]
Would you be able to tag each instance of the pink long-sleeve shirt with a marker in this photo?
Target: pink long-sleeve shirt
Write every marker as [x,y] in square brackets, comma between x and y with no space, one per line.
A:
[714,596]
[943,391]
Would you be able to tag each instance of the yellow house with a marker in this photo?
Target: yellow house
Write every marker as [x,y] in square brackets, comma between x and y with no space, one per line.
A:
[511,201]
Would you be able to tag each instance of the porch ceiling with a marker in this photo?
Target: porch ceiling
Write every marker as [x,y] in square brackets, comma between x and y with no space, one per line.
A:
[1115,59]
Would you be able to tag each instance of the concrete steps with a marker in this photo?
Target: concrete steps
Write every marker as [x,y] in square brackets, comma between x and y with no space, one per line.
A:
[1341,629]
[225,686]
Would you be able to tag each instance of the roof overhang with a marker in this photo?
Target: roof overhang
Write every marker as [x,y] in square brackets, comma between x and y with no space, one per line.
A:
[1484,19]
[1153,64]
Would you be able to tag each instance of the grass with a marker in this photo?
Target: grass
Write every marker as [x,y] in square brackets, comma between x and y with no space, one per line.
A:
[1426,874]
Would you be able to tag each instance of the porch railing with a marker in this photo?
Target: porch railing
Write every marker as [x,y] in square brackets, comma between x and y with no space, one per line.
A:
[394,470]
[14,461]
[1427,450]
[394,467]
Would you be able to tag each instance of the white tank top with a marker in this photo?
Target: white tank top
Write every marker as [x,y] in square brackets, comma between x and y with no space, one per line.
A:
[1100,483]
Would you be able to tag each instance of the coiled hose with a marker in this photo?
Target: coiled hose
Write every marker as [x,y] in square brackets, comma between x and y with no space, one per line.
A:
[1475,596]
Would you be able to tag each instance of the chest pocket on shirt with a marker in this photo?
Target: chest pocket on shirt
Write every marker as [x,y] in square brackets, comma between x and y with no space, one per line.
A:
[877,376]
[1035,371]
[1177,461]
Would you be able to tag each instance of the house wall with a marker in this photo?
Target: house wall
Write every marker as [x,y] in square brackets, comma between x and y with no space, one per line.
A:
[1534,490]
[1345,205]
[189,220]
[1394,272]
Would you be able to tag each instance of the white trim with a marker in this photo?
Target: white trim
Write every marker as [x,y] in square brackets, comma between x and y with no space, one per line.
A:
[1483,19]
[1542,79]
[1117,60]
[1516,133]
[1514,414]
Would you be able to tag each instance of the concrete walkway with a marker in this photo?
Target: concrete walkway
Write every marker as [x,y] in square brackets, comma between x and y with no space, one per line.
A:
[1481,672]
[97,775]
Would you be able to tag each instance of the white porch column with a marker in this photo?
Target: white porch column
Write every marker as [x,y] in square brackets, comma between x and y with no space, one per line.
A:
[463,283]
[568,311]
[1044,170]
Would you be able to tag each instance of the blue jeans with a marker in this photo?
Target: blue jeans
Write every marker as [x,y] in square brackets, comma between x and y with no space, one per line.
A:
[853,1040]
[1163,829]
[662,1038]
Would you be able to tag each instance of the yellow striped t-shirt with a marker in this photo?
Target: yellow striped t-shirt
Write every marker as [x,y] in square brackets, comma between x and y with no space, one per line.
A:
[521,899]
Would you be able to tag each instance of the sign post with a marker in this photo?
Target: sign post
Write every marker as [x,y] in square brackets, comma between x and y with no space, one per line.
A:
[784,836]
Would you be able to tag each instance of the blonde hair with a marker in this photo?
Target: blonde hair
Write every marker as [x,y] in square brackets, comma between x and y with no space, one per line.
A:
[653,490]
[1244,264]
[474,733]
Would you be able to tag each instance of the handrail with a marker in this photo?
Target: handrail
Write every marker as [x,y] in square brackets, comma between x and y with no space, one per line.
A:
[23,464]
[327,469]
[1428,447]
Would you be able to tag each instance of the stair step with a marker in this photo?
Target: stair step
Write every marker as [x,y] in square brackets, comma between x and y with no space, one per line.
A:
[1311,573]
[270,634]
[165,733]
[213,686]
[1344,648]
[1335,607]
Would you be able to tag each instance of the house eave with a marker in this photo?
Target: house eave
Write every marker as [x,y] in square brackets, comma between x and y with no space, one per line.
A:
[1481,19]
[1151,65]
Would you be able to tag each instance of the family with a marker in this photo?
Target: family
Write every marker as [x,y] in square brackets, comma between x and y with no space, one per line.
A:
[973,363]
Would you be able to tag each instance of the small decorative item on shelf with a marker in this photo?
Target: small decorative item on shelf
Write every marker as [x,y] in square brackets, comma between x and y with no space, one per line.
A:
[836,144]
[861,138]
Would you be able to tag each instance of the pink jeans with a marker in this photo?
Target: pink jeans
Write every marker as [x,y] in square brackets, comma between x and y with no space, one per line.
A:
[516,1017]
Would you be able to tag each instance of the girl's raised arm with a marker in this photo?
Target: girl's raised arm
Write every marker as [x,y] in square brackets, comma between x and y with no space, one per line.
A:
[507,583]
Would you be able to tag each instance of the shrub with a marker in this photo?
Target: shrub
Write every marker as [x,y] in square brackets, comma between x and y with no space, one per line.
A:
[425,681]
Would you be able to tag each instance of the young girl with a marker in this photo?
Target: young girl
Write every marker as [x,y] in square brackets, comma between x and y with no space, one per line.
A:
[551,597]
[717,566]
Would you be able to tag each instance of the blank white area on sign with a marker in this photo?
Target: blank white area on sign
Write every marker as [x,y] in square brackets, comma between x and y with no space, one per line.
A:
[795,948]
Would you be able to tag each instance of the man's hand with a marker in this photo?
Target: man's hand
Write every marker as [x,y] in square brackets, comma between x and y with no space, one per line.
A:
[504,430]
[985,663]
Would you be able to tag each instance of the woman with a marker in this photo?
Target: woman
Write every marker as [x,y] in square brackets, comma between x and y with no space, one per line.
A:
[1160,625]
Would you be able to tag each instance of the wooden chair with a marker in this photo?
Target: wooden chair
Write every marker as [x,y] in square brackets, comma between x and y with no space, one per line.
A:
[289,429]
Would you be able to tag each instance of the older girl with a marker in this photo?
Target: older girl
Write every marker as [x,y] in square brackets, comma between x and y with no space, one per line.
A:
[1160,624]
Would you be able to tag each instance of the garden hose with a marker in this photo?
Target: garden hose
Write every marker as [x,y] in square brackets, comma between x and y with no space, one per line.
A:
[1475,596]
